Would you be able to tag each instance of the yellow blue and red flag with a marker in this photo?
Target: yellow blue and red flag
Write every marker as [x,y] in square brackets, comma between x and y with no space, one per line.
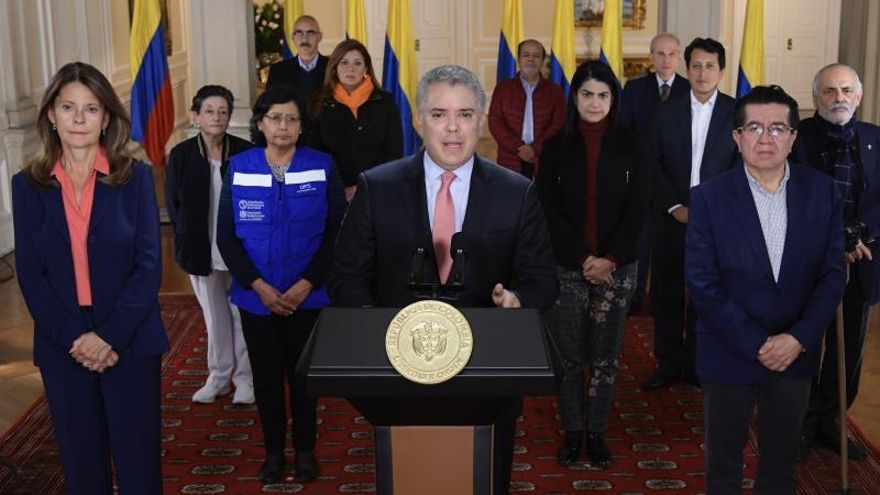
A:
[511,36]
[152,103]
[562,61]
[399,71]
[292,10]
[751,60]
[356,22]
[611,51]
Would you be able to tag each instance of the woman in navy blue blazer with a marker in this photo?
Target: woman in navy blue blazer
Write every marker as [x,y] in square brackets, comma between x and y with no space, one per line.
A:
[88,260]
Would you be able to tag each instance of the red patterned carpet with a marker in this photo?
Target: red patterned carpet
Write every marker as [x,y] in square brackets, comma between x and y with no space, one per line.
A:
[655,437]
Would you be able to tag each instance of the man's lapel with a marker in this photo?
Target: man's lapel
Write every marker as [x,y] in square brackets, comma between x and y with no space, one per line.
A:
[414,203]
[478,198]
[869,147]
[797,231]
[744,205]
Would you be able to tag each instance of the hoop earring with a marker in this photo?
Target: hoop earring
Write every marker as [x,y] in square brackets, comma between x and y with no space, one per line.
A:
[54,127]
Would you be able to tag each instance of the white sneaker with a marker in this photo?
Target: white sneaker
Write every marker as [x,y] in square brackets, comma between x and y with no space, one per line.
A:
[209,393]
[244,394]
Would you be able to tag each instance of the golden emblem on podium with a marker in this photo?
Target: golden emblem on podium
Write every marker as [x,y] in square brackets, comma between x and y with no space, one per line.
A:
[429,342]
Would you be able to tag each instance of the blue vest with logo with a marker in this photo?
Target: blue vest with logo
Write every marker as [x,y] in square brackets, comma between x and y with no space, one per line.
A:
[281,226]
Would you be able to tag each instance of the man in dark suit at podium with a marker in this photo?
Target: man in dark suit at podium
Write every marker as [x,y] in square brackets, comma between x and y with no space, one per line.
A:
[422,200]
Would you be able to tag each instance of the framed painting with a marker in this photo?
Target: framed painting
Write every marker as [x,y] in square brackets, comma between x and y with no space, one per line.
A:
[588,13]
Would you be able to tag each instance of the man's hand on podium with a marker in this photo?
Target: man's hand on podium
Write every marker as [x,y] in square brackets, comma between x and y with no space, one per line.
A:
[503,298]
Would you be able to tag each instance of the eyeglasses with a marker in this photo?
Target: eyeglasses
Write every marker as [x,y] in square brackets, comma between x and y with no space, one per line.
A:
[756,130]
[311,33]
[277,119]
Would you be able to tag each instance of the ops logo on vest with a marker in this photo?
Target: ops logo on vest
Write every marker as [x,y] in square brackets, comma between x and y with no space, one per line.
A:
[251,210]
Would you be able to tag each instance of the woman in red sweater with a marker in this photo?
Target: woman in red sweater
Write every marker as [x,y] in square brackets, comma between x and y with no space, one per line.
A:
[594,192]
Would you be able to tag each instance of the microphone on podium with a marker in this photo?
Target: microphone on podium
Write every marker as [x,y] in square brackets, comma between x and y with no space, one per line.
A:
[458,249]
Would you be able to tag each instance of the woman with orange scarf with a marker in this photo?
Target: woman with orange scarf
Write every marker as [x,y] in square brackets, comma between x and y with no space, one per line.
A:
[355,120]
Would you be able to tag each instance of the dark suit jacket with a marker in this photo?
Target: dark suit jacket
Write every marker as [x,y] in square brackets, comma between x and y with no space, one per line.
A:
[289,73]
[670,149]
[621,196]
[808,148]
[641,97]
[125,268]
[187,200]
[731,282]
[504,227]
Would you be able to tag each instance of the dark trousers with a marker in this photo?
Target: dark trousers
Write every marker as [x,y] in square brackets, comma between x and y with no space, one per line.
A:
[588,323]
[274,345]
[822,414]
[115,414]
[675,318]
[728,409]
[644,265]
[505,430]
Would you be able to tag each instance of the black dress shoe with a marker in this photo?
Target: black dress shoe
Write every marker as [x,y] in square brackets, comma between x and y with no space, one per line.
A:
[658,379]
[270,471]
[571,448]
[855,451]
[600,456]
[305,466]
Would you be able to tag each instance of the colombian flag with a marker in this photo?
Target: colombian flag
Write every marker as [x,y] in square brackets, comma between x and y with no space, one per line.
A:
[611,52]
[292,10]
[562,61]
[152,104]
[356,22]
[399,72]
[751,60]
[511,36]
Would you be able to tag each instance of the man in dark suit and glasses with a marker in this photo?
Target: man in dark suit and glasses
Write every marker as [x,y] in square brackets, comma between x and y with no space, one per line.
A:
[443,189]
[689,142]
[765,268]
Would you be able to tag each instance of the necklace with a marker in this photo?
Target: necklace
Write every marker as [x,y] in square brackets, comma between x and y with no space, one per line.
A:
[278,170]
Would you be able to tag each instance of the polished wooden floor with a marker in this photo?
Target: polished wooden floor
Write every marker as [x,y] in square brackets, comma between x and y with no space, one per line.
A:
[20,382]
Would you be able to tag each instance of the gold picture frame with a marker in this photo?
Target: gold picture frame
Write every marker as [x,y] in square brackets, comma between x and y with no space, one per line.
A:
[588,13]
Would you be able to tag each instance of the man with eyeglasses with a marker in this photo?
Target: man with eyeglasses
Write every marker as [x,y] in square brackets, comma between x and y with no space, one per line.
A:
[526,110]
[835,142]
[764,266]
[689,142]
[305,71]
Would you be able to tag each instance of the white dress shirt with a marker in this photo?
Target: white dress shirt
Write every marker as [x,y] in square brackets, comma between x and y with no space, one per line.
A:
[701,115]
[311,64]
[460,188]
[661,82]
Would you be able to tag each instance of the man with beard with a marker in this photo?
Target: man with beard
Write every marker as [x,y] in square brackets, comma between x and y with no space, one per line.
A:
[833,141]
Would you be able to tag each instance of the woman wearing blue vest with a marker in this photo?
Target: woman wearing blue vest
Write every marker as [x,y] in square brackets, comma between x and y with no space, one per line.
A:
[280,209]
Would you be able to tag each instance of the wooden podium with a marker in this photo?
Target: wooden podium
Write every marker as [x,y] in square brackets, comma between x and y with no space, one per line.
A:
[430,439]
